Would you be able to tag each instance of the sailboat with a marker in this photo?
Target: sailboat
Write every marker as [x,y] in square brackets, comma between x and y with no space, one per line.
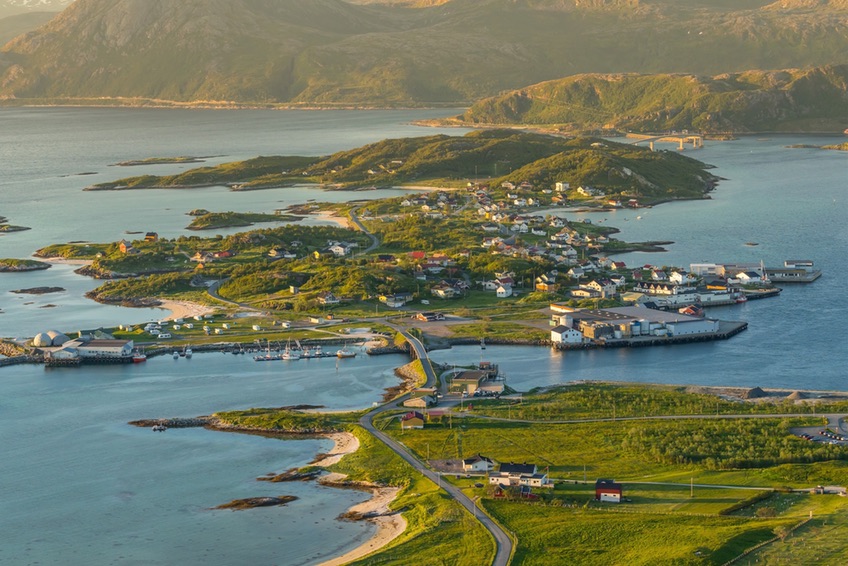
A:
[267,357]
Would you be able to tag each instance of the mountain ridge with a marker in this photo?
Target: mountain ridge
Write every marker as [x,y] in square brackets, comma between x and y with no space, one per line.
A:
[752,101]
[331,52]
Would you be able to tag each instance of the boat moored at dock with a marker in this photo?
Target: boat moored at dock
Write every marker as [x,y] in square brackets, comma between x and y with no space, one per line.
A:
[794,271]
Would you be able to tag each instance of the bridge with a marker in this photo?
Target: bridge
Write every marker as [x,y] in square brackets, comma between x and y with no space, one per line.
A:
[696,140]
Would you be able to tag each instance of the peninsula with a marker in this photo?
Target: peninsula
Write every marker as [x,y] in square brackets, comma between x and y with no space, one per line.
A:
[505,161]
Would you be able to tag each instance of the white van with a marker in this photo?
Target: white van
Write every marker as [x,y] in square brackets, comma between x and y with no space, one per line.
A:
[164,335]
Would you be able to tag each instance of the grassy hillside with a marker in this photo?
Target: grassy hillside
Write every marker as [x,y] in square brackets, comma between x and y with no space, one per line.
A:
[495,155]
[388,52]
[788,100]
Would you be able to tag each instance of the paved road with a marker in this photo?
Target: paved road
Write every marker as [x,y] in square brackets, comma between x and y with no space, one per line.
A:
[355,219]
[503,541]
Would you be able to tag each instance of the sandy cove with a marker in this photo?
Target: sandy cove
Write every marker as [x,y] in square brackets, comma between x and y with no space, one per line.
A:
[64,261]
[330,216]
[183,309]
[389,525]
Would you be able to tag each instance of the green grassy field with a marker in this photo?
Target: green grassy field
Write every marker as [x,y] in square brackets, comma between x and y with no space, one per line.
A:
[681,509]
[561,535]
[608,400]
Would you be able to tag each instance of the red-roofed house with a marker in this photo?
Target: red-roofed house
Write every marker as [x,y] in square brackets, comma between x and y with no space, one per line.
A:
[608,490]
[413,419]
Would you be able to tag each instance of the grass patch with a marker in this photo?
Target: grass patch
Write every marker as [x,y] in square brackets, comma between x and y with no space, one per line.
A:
[561,535]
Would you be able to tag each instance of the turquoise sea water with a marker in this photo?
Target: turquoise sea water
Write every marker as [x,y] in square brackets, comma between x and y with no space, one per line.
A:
[82,487]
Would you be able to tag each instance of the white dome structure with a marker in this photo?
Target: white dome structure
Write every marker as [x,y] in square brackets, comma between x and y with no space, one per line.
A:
[42,340]
[57,338]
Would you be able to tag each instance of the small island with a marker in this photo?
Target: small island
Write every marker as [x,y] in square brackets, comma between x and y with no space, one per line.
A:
[11,265]
[6,227]
[38,290]
[253,502]
[160,161]
[837,147]
[214,220]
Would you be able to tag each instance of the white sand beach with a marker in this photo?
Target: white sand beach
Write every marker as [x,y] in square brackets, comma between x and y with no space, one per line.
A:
[389,525]
[183,309]
[64,261]
[331,216]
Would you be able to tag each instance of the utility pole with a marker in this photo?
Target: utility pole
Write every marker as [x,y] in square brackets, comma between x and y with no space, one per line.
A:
[692,486]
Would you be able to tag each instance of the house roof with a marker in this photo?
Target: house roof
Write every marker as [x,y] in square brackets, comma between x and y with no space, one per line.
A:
[413,415]
[561,329]
[607,484]
[528,469]
[475,459]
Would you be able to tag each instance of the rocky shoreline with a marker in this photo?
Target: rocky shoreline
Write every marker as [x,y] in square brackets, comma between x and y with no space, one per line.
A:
[38,290]
[21,265]
[390,524]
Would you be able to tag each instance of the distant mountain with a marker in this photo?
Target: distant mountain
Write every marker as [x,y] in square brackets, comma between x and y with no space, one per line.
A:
[14,7]
[755,101]
[13,26]
[399,52]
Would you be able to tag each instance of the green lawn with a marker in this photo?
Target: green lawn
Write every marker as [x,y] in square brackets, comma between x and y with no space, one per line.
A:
[577,536]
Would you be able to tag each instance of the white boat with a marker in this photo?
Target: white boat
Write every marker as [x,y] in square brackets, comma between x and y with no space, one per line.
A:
[176,355]
[345,353]
[188,352]
[289,354]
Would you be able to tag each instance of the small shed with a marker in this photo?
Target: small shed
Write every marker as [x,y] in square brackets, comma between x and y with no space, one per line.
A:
[608,491]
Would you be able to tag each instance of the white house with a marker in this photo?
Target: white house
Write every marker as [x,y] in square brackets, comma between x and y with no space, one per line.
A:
[519,474]
[681,278]
[478,463]
[603,286]
[503,292]
[566,335]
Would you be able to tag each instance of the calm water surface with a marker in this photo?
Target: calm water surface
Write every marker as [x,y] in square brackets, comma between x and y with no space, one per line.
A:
[82,487]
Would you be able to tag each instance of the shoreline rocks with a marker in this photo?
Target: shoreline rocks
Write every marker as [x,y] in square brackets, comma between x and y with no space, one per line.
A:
[252,502]
[38,290]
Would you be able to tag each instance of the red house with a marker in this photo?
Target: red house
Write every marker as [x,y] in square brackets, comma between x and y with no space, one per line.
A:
[608,490]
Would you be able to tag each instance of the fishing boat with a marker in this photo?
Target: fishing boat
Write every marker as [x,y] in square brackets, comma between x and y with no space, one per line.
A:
[267,357]
[187,352]
[176,355]
[138,357]
[290,354]
[345,353]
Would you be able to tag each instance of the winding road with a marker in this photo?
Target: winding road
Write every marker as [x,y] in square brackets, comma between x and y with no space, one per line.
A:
[361,227]
[502,539]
